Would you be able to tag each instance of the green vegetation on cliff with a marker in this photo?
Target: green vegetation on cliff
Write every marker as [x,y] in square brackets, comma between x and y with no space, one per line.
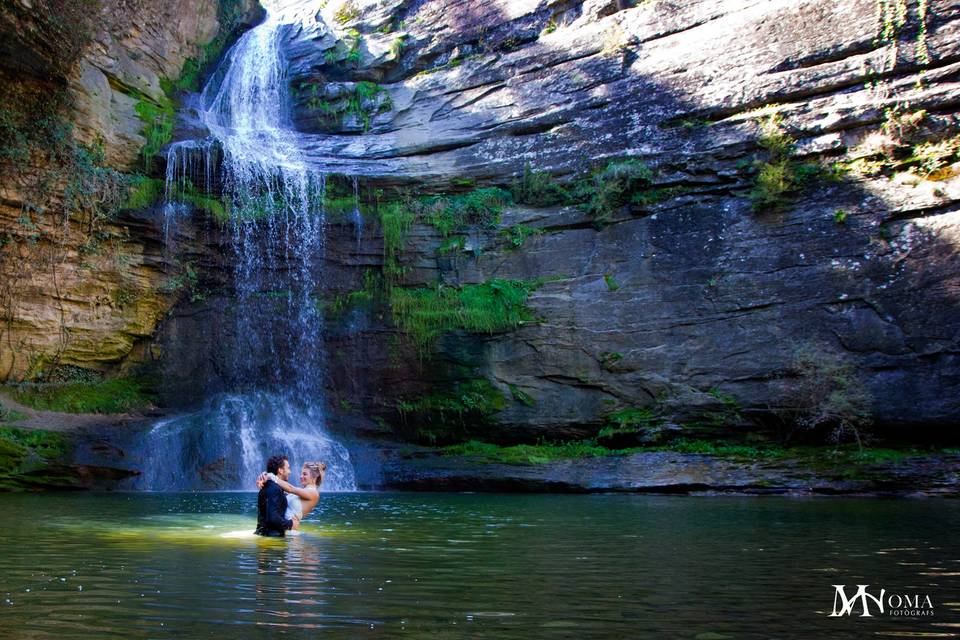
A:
[779,176]
[229,14]
[117,395]
[448,213]
[449,412]
[157,116]
[368,296]
[601,193]
[28,458]
[541,453]
[35,131]
[362,101]
[142,192]
[846,461]
[491,307]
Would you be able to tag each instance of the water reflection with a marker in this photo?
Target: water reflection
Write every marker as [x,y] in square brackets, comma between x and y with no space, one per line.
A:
[470,565]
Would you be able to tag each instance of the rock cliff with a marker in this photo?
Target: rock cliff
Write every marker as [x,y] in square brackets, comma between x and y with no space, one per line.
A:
[702,294]
[706,206]
[84,274]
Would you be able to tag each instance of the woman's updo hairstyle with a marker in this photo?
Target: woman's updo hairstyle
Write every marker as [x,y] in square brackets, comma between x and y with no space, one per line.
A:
[316,470]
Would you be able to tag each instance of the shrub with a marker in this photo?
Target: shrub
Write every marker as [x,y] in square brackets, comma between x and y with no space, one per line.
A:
[448,213]
[826,394]
[348,11]
[776,176]
[610,189]
[538,189]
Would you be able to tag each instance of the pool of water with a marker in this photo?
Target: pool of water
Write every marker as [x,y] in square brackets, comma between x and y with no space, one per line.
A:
[461,565]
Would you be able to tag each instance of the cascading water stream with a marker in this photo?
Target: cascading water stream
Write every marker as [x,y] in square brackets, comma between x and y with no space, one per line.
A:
[274,204]
[357,217]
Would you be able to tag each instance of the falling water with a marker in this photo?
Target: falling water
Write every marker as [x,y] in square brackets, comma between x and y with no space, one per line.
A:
[276,226]
[357,216]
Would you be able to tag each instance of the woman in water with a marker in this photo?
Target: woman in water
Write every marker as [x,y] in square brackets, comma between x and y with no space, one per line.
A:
[300,500]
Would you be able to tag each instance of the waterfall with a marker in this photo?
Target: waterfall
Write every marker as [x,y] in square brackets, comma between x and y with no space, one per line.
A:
[273,204]
[357,217]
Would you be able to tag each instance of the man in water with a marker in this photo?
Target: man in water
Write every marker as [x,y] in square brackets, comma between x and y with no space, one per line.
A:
[272,502]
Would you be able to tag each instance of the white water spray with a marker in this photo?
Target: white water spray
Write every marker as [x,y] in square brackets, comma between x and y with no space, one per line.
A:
[275,208]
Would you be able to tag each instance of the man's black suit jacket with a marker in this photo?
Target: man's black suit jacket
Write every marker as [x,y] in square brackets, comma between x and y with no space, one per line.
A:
[271,507]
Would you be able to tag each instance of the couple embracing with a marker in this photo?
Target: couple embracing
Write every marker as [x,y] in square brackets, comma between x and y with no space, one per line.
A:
[280,505]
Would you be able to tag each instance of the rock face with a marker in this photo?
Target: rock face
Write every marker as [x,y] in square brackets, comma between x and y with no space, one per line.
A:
[80,287]
[479,92]
[132,49]
[676,303]
[691,301]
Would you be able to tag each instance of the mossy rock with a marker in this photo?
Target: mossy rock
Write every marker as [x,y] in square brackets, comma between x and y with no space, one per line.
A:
[118,395]
[33,459]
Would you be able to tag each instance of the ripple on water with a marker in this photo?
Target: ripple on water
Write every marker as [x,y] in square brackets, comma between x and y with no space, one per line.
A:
[600,567]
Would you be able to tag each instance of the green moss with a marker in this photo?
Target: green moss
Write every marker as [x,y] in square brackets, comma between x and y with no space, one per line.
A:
[395,221]
[366,100]
[143,192]
[118,395]
[491,307]
[452,244]
[628,421]
[47,444]
[29,460]
[229,14]
[339,208]
[609,359]
[521,396]
[158,118]
[367,297]
[471,396]
[542,453]
[648,197]
[446,414]
[518,234]
[447,213]
[214,207]
[11,415]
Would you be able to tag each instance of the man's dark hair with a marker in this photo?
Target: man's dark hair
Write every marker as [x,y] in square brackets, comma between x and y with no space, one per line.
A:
[274,463]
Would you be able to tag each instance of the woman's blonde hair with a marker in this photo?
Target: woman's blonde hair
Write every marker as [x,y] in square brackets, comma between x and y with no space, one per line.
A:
[316,470]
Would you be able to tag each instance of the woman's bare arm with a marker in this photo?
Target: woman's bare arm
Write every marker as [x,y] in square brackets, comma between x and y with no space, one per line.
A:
[306,494]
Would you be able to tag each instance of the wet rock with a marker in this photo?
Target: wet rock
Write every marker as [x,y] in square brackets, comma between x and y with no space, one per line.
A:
[668,472]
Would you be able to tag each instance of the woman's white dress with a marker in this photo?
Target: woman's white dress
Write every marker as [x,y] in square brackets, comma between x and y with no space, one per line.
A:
[294,507]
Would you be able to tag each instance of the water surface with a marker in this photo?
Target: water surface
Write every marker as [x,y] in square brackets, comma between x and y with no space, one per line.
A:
[462,566]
